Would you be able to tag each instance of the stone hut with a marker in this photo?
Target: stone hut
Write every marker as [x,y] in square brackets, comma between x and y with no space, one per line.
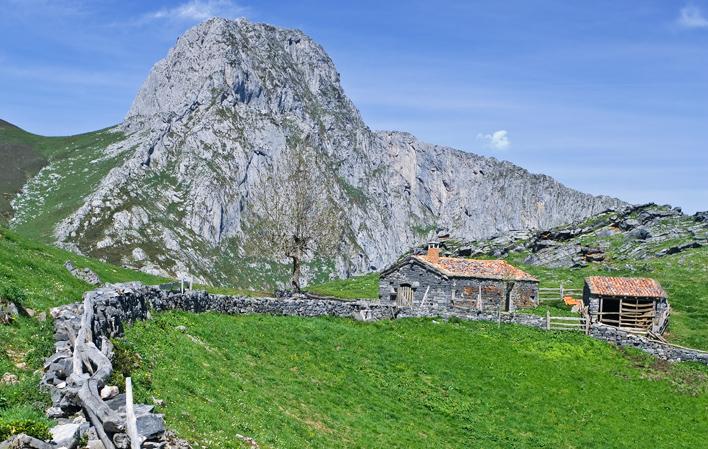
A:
[637,305]
[432,281]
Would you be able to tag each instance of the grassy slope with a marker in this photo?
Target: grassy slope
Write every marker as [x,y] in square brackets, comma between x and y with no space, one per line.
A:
[359,287]
[683,275]
[20,162]
[33,275]
[75,168]
[335,383]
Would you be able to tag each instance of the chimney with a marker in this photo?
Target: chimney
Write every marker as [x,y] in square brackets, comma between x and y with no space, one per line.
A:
[433,252]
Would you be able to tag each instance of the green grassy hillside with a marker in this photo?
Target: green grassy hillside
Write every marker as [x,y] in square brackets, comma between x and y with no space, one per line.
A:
[684,276]
[73,167]
[294,382]
[33,276]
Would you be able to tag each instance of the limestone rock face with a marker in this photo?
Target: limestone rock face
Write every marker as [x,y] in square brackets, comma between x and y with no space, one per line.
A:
[227,103]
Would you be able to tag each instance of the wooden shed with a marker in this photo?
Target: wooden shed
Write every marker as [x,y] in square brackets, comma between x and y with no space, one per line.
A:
[637,305]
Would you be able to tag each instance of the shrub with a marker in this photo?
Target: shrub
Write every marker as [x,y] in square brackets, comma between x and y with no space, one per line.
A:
[24,420]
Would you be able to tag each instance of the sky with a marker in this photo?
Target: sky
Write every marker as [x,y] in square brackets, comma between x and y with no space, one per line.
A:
[608,97]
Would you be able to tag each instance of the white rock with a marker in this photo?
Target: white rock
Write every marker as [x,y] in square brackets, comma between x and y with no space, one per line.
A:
[109,391]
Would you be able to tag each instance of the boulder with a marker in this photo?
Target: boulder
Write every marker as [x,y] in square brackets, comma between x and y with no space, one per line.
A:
[639,233]
[150,426]
[8,311]
[109,391]
[23,441]
[66,435]
[628,224]
[701,217]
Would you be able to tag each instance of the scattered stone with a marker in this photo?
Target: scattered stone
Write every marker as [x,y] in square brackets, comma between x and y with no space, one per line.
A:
[248,440]
[9,379]
[23,441]
[65,435]
[54,413]
[121,440]
[109,391]
[701,216]
[84,274]
[181,328]
[95,444]
[8,311]
[678,248]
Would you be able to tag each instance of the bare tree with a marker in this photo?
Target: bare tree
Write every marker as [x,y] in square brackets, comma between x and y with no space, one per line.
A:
[293,214]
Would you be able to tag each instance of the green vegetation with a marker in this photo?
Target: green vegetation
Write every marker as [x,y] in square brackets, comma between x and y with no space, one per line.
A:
[32,275]
[76,166]
[330,383]
[358,287]
[684,276]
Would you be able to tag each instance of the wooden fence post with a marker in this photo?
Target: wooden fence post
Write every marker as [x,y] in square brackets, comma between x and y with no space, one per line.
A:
[131,422]
[548,320]
[561,291]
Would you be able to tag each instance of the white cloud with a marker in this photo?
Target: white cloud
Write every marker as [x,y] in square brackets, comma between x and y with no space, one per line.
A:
[498,140]
[692,17]
[197,10]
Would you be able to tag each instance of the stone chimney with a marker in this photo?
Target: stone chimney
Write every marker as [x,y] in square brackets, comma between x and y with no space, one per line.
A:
[433,252]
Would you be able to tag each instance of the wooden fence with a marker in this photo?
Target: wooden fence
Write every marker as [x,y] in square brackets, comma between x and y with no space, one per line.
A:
[568,323]
[558,293]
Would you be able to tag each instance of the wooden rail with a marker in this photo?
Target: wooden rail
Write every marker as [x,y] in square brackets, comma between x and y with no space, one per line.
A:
[557,293]
[567,323]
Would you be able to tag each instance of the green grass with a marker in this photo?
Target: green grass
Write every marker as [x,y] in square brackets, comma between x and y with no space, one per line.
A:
[293,382]
[76,166]
[684,276]
[33,275]
[358,287]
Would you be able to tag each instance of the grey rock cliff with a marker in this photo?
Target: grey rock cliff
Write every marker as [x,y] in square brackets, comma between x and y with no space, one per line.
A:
[229,100]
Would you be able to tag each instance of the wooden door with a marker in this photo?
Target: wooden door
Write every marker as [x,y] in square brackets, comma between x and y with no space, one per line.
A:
[404,296]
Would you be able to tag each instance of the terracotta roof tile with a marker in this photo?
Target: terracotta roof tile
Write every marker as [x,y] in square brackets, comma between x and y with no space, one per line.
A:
[617,286]
[476,268]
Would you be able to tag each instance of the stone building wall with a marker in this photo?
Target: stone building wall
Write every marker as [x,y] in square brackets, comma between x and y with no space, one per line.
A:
[441,292]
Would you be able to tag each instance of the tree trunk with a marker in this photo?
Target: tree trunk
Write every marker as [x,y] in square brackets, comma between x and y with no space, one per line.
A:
[295,279]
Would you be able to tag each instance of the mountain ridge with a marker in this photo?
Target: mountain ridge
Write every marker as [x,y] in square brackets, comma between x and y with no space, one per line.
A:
[218,112]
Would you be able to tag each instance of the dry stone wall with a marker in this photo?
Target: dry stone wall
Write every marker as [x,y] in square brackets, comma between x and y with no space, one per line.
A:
[84,407]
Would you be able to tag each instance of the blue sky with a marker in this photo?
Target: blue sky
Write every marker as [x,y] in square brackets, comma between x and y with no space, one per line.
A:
[608,97]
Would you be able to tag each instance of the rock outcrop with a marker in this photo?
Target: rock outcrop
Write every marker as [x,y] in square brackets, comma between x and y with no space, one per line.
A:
[227,103]
[630,234]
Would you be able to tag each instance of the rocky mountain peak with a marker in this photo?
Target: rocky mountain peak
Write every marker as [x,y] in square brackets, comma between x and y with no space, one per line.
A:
[235,63]
[228,103]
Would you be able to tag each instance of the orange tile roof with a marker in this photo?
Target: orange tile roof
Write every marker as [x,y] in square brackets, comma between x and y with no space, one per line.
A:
[616,286]
[476,268]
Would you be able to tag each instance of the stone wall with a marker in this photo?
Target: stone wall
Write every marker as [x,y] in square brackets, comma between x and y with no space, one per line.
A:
[658,349]
[112,308]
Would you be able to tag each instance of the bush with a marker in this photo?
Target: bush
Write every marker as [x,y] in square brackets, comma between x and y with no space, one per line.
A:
[24,420]
[12,293]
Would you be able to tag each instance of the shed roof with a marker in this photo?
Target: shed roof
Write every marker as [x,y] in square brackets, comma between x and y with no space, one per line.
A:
[476,268]
[618,286]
